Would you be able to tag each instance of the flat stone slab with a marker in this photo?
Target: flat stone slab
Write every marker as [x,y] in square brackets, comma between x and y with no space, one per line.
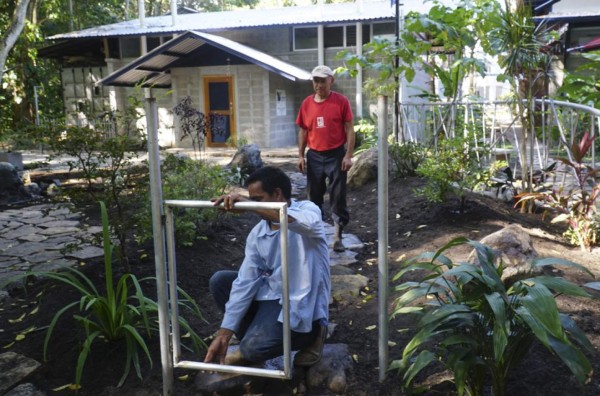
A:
[25,390]
[87,252]
[344,285]
[346,257]
[14,368]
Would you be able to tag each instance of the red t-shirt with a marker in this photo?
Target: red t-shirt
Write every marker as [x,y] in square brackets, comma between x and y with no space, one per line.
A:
[324,121]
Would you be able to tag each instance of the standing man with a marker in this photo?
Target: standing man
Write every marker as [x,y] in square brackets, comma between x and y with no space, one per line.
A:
[251,298]
[325,122]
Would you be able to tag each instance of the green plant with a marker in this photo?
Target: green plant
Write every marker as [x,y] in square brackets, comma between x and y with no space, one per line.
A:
[184,178]
[478,327]
[576,204]
[454,167]
[237,143]
[121,313]
[366,136]
[406,158]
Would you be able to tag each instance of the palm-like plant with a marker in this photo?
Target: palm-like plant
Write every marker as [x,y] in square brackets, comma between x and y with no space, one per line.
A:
[121,314]
[474,324]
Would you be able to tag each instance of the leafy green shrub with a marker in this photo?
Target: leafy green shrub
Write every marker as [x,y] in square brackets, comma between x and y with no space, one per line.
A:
[366,136]
[406,158]
[575,205]
[454,167]
[121,313]
[478,327]
[184,178]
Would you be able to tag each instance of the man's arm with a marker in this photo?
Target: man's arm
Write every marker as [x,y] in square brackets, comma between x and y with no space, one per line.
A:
[302,141]
[347,160]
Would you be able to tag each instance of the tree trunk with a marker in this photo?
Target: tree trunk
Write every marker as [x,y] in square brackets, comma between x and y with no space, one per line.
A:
[9,38]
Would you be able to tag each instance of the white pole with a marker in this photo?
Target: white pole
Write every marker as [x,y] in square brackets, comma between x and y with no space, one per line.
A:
[158,231]
[142,13]
[382,232]
[174,12]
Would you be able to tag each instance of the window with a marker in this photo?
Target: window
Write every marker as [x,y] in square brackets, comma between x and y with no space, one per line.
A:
[335,36]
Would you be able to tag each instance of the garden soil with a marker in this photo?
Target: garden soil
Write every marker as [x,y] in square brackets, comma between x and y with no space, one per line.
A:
[414,227]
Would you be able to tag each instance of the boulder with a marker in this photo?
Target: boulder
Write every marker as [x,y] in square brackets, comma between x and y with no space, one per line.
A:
[364,168]
[247,159]
[11,185]
[514,247]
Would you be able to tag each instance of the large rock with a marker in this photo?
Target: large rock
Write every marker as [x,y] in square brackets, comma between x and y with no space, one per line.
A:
[14,368]
[11,185]
[512,245]
[247,159]
[364,168]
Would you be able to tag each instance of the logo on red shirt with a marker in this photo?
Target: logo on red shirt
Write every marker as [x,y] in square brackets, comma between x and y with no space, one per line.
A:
[320,122]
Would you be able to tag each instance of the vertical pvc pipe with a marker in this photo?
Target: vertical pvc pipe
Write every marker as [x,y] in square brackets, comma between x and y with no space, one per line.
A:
[382,232]
[159,245]
[285,289]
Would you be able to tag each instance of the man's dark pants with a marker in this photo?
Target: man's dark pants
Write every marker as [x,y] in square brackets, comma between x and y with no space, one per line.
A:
[260,334]
[323,165]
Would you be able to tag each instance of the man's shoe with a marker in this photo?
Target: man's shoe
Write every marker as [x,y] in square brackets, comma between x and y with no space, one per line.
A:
[338,246]
[236,358]
[312,354]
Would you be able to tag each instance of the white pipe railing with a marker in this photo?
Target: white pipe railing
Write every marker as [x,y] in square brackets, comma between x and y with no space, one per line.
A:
[171,277]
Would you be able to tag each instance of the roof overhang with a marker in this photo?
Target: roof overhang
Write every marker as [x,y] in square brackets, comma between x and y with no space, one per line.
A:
[153,70]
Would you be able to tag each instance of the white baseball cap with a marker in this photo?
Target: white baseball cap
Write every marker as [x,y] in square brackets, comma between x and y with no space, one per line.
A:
[322,72]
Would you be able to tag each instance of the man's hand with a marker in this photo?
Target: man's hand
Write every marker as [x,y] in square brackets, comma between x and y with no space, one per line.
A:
[301,164]
[346,164]
[218,347]
[229,200]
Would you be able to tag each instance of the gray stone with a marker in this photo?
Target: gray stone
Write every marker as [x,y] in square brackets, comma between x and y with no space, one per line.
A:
[32,238]
[14,368]
[13,158]
[6,243]
[60,224]
[341,270]
[247,159]
[330,370]
[42,257]
[364,168]
[298,180]
[347,285]
[25,390]
[23,249]
[54,265]
[346,257]
[350,241]
[87,252]
[23,231]
[11,185]
[59,230]
[9,263]
[513,246]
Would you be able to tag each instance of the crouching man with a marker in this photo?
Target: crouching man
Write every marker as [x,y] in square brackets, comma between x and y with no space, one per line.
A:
[251,298]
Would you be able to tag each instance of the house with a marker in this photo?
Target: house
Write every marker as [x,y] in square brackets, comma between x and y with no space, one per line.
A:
[251,67]
[578,23]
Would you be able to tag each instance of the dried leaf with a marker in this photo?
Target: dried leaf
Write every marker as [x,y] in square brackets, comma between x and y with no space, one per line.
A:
[67,386]
[9,345]
[183,377]
[372,327]
[20,337]
[19,319]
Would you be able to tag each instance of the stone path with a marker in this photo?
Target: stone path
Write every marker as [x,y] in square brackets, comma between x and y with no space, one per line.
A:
[43,237]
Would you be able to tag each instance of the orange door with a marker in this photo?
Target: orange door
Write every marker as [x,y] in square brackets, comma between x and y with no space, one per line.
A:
[218,105]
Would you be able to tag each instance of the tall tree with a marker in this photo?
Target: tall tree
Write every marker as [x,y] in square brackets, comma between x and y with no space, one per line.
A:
[10,36]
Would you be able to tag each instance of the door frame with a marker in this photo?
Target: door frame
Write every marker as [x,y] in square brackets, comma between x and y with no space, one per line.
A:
[206,80]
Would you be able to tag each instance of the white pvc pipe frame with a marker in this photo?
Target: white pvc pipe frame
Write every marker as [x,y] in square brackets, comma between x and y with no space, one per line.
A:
[171,279]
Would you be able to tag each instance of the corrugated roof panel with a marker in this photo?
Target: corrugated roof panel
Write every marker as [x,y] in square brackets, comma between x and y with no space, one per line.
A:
[153,69]
[316,14]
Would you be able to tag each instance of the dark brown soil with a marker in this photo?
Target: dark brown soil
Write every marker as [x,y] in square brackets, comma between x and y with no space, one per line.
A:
[414,227]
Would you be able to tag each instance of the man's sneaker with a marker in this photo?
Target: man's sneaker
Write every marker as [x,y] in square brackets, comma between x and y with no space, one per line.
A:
[312,354]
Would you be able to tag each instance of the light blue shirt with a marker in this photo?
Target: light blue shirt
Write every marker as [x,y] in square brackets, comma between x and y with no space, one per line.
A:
[259,277]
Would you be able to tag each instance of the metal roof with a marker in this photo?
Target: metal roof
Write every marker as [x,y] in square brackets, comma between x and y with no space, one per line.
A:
[153,69]
[571,16]
[209,21]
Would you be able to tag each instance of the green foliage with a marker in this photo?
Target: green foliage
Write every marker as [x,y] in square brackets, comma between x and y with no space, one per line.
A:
[454,31]
[455,167]
[576,204]
[105,156]
[406,158]
[583,86]
[478,327]
[120,313]
[184,178]
[366,135]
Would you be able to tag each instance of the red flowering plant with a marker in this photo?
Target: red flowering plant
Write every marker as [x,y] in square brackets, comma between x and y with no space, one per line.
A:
[575,204]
